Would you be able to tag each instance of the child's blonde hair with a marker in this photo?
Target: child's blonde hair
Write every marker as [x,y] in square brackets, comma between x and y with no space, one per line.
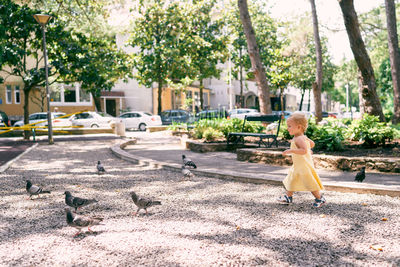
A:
[299,118]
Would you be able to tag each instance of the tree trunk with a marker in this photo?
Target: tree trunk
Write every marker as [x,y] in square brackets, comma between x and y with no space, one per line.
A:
[372,104]
[394,56]
[317,99]
[241,79]
[309,99]
[97,101]
[303,91]
[350,101]
[201,95]
[259,72]
[361,105]
[27,91]
[317,88]
[159,109]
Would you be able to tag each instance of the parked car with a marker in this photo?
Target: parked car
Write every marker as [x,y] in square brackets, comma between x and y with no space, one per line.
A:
[211,114]
[175,115]
[91,119]
[139,120]
[240,113]
[42,116]
[4,121]
[286,114]
[333,114]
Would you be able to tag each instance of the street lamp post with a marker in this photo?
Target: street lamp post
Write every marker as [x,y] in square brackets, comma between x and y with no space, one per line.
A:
[42,20]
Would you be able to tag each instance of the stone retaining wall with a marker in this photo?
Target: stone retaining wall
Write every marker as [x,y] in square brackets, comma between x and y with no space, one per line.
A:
[322,161]
[205,147]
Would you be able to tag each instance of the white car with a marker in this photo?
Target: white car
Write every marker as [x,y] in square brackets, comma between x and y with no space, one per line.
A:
[42,116]
[91,119]
[242,112]
[139,120]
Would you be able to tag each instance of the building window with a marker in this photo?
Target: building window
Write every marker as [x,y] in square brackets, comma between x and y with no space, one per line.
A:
[205,100]
[69,94]
[8,94]
[84,96]
[17,95]
[55,93]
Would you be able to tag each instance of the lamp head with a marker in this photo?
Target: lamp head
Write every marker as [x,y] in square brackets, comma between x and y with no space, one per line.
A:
[42,19]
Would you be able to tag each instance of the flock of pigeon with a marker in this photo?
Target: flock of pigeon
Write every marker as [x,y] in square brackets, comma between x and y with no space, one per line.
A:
[79,221]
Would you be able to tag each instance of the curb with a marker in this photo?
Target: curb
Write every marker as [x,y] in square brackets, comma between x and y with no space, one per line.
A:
[118,151]
[4,167]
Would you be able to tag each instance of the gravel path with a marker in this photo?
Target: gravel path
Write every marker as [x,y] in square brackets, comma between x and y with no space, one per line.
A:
[202,222]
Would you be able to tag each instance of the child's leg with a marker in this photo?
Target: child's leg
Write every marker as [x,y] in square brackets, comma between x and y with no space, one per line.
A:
[316,194]
[289,193]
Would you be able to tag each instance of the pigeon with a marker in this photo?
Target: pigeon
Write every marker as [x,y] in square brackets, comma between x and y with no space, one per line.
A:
[143,203]
[188,162]
[186,173]
[100,168]
[360,176]
[80,222]
[34,190]
[77,202]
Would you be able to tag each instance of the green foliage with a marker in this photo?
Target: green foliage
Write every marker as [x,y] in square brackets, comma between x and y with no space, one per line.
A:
[384,85]
[265,28]
[211,134]
[226,126]
[157,34]
[176,42]
[176,126]
[370,131]
[301,50]
[73,56]
[328,137]
[396,131]
[346,75]
[205,38]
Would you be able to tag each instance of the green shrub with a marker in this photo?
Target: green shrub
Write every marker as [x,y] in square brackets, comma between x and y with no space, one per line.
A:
[284,133]
[177,126]
[211,134]
[370,131]
[328,136]
[388,113]
[225,126]
[396,128]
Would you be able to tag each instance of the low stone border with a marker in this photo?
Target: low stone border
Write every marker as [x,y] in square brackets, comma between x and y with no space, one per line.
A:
[205,147]
[274,157]
[152,129]
[322,161]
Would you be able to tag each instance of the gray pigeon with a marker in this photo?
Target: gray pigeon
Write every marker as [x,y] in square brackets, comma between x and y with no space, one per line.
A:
[188,162]
[100,168]
[186,173]
[360,176]
[143,203]
[80,222]
[34,190]
[77,202]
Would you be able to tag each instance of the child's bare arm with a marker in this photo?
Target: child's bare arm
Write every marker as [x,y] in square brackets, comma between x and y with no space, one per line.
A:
[312,144]
[301,147]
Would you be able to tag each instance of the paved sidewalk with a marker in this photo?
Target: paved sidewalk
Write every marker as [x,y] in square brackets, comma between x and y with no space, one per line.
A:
[166,151]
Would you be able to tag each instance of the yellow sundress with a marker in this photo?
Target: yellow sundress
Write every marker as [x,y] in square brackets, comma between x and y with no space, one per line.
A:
[302,176]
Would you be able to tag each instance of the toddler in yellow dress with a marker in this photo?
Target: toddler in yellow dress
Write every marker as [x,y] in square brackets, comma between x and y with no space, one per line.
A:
[302,176]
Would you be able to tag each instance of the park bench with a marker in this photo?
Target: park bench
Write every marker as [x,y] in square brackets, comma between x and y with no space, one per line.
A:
[264,139]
